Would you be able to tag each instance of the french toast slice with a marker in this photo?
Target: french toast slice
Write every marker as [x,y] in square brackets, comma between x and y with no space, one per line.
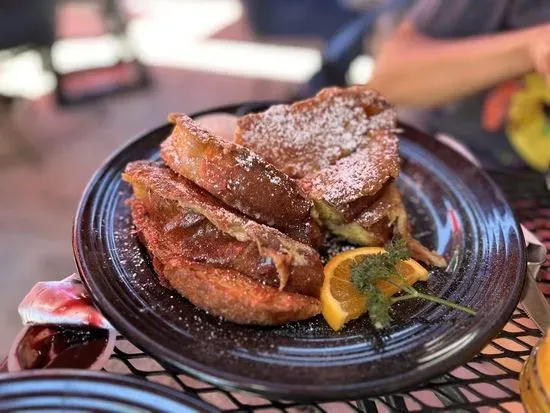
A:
[191,236]
[235,175]
[223,292]
[298,266]
[306,136]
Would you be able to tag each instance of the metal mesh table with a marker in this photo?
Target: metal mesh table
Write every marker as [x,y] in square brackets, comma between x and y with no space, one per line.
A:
[490,381]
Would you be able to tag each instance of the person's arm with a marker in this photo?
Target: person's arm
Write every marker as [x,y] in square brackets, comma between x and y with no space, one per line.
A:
[416,70]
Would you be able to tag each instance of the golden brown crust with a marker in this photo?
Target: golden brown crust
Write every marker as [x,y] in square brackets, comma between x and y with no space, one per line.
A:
[298,266]
[309,232]
[235,297]
[222,291]
[235,175]
[164,230]
[312,134]
[402,228]
[389,205]
[421,253]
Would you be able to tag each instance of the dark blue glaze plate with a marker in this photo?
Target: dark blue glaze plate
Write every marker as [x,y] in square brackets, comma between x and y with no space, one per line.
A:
[80,391]
[454,208]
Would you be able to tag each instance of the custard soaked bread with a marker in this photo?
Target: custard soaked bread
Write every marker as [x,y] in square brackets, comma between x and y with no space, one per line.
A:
[240,178]
[380,222]
[356,181]
[196,226]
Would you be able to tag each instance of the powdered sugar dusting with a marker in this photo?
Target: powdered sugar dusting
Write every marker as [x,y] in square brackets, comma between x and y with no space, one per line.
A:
[313,134]
[234,174]
[246,160]
[361,174]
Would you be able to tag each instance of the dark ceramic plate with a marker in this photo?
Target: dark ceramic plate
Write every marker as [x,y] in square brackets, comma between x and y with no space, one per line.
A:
[86,391]
[454,207]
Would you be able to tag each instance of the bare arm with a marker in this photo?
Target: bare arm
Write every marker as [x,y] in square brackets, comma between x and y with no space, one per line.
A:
[417,70]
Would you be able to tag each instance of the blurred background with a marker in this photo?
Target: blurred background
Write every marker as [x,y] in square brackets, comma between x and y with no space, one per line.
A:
[79,78]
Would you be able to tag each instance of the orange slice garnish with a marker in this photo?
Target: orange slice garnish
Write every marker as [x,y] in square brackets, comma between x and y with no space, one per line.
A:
[341,301]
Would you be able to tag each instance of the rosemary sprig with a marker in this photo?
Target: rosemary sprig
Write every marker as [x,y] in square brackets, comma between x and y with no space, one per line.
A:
[368,271]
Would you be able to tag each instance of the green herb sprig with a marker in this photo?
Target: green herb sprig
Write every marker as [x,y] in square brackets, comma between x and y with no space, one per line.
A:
[367,271]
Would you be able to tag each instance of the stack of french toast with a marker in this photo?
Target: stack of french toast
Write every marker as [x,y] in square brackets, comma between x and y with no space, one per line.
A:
[233,217]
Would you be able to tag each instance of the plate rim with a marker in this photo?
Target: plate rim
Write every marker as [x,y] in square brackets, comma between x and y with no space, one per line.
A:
[185,399]
[270,390]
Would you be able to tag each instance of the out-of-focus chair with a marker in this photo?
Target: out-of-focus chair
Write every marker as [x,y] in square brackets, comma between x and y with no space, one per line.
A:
[26,25]
[31,25]
[127,74]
